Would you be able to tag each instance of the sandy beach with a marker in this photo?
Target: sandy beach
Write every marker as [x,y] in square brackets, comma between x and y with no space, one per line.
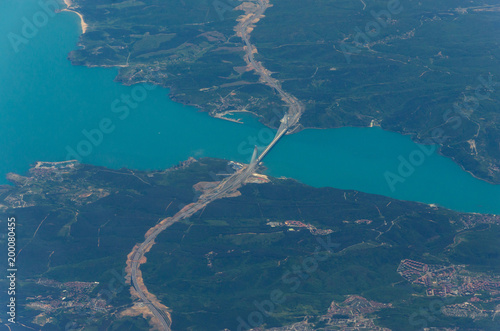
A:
[69,5]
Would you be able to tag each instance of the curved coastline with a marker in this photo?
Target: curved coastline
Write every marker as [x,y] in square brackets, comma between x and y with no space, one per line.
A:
[69,8]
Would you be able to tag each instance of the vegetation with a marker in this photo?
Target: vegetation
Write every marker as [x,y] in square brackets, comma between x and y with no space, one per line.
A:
[220,264]
[430,70]
[78,225]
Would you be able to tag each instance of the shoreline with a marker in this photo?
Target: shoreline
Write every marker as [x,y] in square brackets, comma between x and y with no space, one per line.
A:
[300,127]
[69,5]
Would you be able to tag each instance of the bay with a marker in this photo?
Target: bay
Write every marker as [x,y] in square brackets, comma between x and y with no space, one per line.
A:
[49,107]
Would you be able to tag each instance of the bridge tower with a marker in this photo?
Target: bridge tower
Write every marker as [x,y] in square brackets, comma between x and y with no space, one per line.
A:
[284,123]
[254,155]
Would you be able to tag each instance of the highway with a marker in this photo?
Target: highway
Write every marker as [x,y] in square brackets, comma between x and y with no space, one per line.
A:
[295,108]
[228,185]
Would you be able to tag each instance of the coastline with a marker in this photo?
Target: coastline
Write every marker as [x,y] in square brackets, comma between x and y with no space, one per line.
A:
[476,173]
[69,5]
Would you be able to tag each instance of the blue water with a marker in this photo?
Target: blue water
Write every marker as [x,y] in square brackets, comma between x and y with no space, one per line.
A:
[360,158]
[46,104]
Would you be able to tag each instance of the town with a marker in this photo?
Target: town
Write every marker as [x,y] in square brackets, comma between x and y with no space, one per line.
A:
[293,225]
[481,291]
[70,296]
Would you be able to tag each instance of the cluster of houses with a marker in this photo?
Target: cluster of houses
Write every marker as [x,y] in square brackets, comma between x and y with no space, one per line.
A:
[441,280]
[354,314]
[292,224]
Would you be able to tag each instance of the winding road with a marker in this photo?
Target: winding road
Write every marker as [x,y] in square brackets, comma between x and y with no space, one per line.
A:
[226,187]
